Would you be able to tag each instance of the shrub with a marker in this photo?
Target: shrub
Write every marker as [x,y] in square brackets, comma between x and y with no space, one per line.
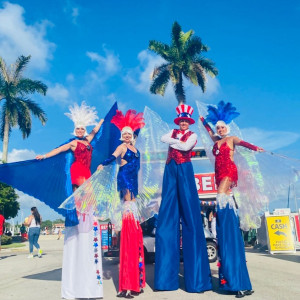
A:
[5,240]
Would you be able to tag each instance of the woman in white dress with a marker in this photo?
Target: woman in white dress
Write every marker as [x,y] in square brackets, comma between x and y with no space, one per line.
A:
[82,260]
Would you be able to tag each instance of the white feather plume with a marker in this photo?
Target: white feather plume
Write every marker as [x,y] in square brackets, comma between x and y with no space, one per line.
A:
[82,115]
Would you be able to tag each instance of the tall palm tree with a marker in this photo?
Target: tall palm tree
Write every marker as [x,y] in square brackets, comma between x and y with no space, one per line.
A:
[17,108]
[183,58]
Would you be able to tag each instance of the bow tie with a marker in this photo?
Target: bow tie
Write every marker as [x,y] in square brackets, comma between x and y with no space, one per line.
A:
[181,131]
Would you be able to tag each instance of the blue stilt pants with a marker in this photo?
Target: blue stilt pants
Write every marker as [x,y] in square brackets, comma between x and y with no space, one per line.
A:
[180,200]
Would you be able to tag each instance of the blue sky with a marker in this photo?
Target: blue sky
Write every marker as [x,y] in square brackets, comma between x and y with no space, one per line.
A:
[97,51]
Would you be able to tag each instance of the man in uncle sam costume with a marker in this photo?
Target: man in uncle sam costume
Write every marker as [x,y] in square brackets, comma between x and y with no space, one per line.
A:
[180,201]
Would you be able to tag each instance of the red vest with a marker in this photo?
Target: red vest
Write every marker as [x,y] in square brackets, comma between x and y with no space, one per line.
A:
[178,155]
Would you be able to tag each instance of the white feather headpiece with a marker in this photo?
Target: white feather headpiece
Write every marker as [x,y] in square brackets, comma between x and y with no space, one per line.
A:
[82,115]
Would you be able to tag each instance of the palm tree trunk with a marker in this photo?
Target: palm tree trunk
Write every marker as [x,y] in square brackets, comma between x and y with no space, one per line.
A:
[179,91]
[5,139]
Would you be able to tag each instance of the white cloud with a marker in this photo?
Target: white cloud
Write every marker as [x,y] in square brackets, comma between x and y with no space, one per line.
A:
[269,140]
[72,11]
[107,66]
[70,77]
[140,79]
[75,13]
[109,63]
[59,93]
[19,155]
[17,38]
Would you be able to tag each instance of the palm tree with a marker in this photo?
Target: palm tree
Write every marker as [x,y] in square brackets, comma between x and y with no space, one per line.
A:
[17,108]
[183,58]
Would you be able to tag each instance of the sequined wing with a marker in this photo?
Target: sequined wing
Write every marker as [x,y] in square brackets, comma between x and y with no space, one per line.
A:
[264,178]
[98,194]
[153,158]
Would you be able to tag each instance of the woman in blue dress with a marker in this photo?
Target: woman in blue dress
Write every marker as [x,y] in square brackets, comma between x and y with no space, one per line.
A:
[132,271]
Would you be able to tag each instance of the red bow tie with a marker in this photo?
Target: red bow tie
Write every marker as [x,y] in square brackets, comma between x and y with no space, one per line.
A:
[181,131]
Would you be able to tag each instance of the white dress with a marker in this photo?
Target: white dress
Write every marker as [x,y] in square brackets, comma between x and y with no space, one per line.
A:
[82,261]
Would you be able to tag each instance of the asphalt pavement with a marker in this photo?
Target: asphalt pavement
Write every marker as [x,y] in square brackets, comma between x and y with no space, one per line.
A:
[275,277]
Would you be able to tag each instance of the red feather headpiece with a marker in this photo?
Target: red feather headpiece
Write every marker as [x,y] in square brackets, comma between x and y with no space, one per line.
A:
[131,119]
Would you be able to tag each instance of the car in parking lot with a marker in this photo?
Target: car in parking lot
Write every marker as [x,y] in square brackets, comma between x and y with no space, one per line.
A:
[211,245]
[149,244]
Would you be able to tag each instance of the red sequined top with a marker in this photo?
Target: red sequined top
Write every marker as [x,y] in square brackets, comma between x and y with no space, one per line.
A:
[80,169]
[179,156]
[224,166]
[83,154]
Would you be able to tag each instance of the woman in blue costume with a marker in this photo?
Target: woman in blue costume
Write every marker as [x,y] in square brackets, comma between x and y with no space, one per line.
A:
[132,271]
[233,273]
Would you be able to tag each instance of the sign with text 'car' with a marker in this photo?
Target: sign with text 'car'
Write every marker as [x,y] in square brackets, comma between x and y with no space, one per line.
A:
[280,235]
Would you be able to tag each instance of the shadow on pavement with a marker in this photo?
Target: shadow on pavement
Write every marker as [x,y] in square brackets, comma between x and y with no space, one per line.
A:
[7,256]
[150,277]
[289,257]
[54,275]
[111,270]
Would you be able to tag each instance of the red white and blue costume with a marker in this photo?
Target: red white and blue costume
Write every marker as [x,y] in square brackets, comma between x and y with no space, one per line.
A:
[180,202]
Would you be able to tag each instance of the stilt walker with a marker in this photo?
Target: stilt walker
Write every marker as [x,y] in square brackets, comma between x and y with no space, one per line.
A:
[233,273]
[180,202]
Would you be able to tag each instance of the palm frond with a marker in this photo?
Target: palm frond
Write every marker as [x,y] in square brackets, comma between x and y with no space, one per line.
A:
[35,109]
[160,49]
[194,46]
[201,78]
[157,70]
[186,36]
[176,33]
[2,120]
[208,65]
[11,111]
[3,70]
[20,65]
[24,118]
[190,73]
[29,86]
[160,82]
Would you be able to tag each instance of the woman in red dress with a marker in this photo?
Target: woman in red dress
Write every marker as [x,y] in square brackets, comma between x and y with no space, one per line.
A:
[233,273]
[81,273]
[82,149]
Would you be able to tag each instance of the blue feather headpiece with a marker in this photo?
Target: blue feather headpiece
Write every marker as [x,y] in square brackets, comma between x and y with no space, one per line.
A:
[223,112]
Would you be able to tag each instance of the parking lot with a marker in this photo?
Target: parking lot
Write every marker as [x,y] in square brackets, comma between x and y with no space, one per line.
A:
[272,276]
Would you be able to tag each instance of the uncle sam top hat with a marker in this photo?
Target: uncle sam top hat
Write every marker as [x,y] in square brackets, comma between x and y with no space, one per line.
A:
[184,112]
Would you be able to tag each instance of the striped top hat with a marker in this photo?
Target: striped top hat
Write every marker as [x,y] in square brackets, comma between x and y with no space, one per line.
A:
[184,112]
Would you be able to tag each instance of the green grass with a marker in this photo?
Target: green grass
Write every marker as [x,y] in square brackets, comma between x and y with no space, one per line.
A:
[13,245]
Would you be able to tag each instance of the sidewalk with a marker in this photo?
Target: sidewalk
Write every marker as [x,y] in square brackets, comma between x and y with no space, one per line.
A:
[273,277]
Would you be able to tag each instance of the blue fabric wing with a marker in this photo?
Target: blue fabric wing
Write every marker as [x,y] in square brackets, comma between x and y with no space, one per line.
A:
[49,180]
[105,142]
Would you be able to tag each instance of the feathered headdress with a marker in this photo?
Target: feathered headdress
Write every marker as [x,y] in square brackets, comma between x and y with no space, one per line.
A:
[131,122]
[223,114]
[82,115]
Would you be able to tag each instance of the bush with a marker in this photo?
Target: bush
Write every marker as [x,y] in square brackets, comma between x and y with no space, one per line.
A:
[5,240]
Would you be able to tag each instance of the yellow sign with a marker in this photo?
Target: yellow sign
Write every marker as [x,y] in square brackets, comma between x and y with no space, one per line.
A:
[280,234]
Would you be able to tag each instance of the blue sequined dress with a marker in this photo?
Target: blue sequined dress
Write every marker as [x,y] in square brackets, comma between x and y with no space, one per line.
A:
[128,174]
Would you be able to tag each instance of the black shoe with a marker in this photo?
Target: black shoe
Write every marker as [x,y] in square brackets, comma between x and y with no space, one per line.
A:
[125,294]
[128,295]
[121,294]
[134,293]
[240,294]
[248,292]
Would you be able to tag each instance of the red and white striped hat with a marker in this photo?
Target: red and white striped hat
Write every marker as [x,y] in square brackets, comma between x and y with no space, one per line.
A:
[184,112]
